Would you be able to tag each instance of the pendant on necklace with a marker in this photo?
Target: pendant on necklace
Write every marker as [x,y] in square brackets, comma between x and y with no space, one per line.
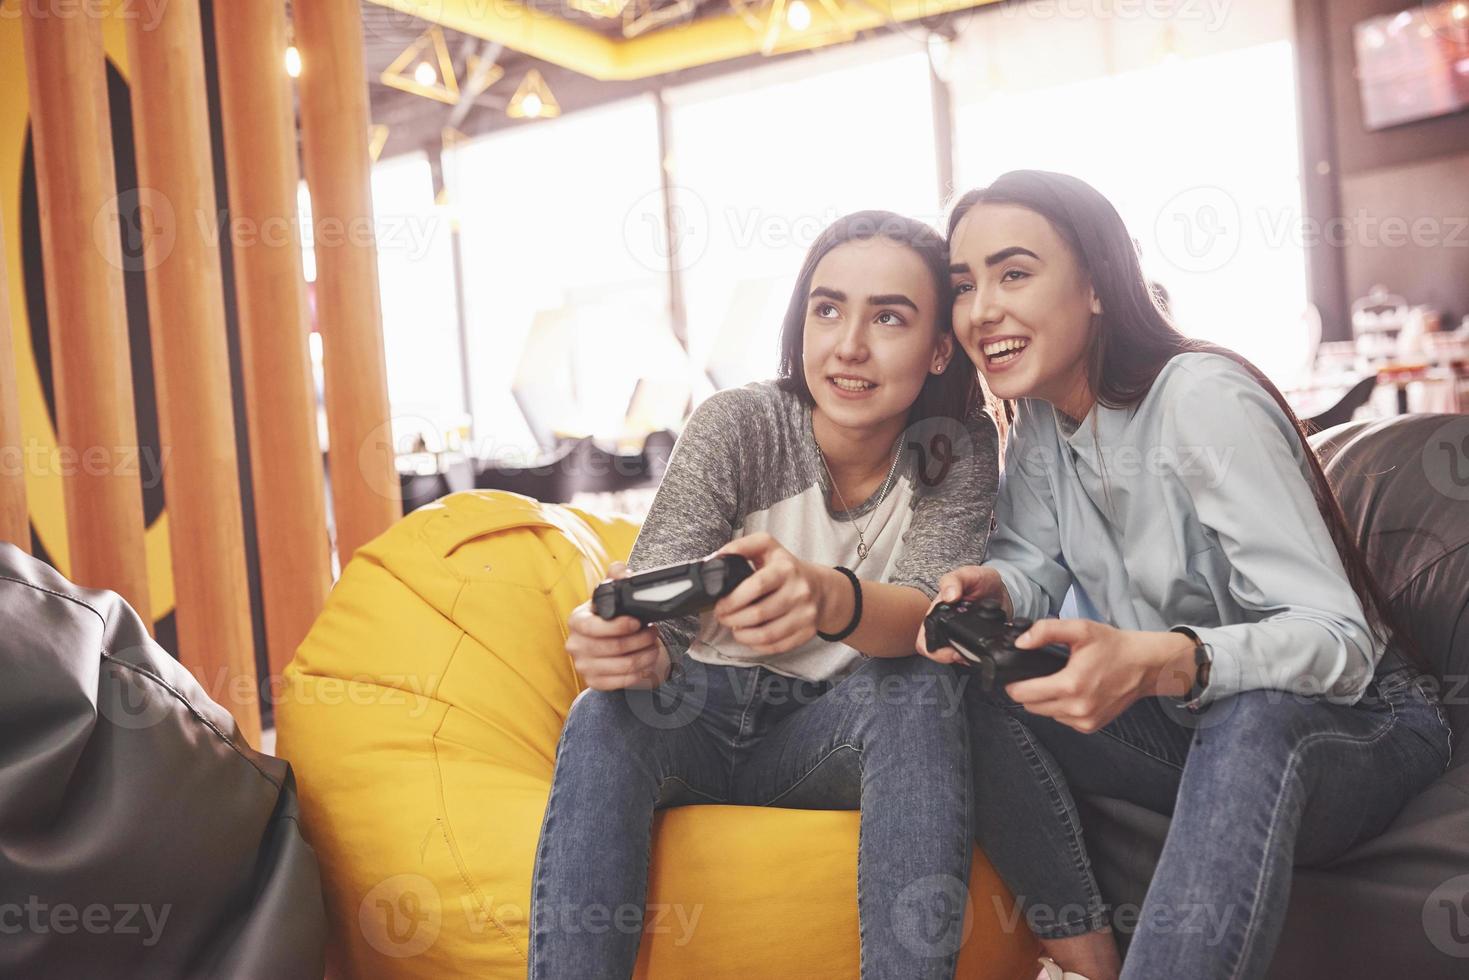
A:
[861,549]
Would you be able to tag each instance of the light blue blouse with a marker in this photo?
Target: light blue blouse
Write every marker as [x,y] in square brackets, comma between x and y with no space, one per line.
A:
[1192,508]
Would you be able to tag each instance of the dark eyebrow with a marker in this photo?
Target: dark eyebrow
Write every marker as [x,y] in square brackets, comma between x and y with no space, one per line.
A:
[835,294]
[959,269]
[892,299]
[1006,253]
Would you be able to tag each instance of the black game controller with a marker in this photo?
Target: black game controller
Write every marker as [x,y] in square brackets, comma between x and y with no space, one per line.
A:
[979,633]
[673,590]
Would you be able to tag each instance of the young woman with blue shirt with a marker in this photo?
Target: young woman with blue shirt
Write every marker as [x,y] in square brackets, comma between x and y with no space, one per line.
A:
[1234,665]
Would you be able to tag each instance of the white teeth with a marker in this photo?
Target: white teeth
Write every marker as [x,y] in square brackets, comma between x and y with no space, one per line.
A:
[849,384]
[1002,346]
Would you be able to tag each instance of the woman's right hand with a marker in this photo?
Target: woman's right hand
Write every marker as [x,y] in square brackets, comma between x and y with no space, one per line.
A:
[612,654]
[969,583]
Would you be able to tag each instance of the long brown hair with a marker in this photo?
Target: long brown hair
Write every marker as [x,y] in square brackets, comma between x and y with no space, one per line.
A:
[1133,338]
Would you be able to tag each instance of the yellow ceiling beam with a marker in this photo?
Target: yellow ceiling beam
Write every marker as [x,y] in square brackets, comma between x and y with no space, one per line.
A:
[705,41]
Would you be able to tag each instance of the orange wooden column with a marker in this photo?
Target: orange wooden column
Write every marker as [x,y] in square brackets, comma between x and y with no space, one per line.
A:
[85,303]
[334,118]
[15,523]
[191,360]
[285,455]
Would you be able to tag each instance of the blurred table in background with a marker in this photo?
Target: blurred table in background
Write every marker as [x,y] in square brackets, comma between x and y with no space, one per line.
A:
[1350,379]
[425,477]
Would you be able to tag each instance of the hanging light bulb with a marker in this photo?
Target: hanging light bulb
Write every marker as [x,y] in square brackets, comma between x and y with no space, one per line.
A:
[425,68]
[533,99]
[798,15]
[293,61]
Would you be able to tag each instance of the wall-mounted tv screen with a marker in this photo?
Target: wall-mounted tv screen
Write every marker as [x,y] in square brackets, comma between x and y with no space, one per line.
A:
[1414,64]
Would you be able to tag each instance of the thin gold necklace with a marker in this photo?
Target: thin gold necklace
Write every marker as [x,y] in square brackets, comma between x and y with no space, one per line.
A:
[887,484]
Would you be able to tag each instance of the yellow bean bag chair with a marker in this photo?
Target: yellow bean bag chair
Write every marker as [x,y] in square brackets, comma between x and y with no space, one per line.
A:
[421,715]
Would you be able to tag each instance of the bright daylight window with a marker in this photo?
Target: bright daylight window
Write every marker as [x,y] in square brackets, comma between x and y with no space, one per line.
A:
[1201,157]
[764,160]
[420,320]
[566,317]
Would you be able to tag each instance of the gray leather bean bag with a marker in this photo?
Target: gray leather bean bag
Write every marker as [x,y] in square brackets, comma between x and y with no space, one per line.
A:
[1398,905]
[139,837]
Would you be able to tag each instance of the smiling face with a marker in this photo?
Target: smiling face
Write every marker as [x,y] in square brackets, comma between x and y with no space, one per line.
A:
[871,336]
[1023,306]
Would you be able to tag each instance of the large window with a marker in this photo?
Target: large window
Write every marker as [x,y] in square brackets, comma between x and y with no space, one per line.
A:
[1188,128]
[420,318]
[416,295]
[569,321]
[1198,150]
[764,160]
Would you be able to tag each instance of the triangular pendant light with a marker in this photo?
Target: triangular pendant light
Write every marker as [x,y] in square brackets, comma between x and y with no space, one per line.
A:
[425,69]
[533,99]
[377,138]
[794,25]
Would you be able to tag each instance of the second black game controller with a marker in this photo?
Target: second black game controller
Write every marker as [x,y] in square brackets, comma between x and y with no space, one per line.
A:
[982,636]
[672,590]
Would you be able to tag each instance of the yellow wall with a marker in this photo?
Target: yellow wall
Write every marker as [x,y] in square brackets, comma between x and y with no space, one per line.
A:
[43,482]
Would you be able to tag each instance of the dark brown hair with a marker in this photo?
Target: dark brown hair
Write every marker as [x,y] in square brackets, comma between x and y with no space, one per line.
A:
[953,394]
[1133,338]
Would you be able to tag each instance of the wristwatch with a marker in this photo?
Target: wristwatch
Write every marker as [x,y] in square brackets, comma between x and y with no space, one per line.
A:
[1203,659]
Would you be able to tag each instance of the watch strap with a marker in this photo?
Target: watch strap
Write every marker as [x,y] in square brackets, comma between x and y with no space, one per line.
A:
[1203,659]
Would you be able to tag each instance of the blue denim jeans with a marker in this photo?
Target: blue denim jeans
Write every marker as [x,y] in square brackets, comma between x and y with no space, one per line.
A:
[888,738]
[1256,784]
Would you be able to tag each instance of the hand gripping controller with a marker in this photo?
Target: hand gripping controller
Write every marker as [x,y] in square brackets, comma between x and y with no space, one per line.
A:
[981,635]
[671,591]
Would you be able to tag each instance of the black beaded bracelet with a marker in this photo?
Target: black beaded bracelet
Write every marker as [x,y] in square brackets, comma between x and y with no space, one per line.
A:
[856,609]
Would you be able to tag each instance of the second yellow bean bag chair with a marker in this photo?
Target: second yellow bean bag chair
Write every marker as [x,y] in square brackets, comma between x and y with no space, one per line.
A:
[421,715]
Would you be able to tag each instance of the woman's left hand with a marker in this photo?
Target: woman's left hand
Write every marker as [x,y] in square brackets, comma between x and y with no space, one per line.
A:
[1108,670]
[784,603]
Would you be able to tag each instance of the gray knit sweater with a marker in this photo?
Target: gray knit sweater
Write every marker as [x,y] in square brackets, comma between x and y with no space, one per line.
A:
[747,461]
